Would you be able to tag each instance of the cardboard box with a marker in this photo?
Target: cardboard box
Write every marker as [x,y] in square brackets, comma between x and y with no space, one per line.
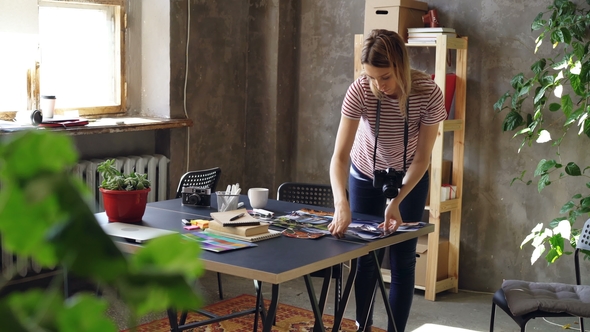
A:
[422,255]
[395,15]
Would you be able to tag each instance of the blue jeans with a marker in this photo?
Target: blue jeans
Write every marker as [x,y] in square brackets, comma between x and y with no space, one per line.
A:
[364,198]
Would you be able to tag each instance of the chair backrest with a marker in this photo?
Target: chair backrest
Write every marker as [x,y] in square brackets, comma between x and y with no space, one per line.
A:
[306,193]
[584,240]
[207,178]
[582,244]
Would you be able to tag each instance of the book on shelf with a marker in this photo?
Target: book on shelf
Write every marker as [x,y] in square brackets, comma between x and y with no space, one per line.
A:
[431,30]
[255,238]
[421,40]
[430,35]
[239,217]
[250,230]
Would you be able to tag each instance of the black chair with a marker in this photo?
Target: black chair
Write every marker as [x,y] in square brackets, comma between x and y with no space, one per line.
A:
[318,195]
[523,300]
[207,178]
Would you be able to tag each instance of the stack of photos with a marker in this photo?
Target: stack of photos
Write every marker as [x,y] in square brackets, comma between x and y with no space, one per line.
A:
[315,223]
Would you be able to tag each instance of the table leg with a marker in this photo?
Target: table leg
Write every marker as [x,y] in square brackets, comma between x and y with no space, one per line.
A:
[317,311]
[183,317]
[172,320]
[384,294]
[345,295]
[260,309]
[272,309]
[378,280]
[325,289]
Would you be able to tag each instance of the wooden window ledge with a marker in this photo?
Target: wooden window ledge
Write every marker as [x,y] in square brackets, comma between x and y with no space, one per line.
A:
[110,125]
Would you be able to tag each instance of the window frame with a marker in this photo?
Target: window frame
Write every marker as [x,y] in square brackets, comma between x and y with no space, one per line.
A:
[94,111]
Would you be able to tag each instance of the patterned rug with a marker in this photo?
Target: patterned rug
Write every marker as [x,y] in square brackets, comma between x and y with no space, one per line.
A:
[289,318]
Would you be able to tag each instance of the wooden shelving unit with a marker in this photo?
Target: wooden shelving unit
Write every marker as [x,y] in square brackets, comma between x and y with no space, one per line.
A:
[457,126]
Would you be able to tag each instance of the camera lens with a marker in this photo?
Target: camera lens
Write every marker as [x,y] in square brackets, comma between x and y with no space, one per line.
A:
[390,191]
[194,199]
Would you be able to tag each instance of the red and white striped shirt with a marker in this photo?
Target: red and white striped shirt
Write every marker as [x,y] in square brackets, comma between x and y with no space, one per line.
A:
[361,104]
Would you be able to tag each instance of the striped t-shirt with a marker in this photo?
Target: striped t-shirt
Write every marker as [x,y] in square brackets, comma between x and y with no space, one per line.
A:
[360,103]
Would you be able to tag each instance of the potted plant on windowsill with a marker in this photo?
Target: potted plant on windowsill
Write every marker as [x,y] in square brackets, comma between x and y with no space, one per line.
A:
[124,195]
[543,106]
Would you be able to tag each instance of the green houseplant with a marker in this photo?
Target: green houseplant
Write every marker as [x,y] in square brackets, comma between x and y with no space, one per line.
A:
[124,195]
[543,106]
[45,217]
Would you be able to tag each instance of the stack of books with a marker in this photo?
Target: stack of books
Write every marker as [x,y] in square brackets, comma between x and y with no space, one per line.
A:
[428,35]
[240,225]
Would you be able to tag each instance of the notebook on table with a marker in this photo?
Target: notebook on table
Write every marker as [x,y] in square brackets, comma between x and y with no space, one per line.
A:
[134,233]
[255,238]
[239,217]
[249,230]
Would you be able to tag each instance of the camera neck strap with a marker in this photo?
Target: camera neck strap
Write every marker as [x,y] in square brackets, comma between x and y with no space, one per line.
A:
[405,131]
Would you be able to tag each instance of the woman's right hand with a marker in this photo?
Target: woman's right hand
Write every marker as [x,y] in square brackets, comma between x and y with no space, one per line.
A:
[342,218]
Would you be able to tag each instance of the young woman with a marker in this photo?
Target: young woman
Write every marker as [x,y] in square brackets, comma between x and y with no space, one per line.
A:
[410,107]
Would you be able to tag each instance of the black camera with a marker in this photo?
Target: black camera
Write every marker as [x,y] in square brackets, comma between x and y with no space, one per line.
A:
[389,180]
[196,196]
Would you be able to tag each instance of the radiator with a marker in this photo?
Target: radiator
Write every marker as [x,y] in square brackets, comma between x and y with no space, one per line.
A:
[156,168]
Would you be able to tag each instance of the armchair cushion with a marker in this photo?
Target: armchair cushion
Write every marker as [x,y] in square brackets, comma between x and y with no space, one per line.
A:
[524,297]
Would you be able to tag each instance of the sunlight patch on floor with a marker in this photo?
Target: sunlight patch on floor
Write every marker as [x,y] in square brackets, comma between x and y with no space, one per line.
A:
[440,328]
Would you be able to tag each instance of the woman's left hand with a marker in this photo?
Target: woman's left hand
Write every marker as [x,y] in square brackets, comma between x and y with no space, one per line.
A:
[393,218]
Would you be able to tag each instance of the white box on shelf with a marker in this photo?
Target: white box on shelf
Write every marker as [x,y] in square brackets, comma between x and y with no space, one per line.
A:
[447,192]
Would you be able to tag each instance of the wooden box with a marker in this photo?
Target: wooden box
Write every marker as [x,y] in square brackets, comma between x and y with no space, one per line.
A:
[395,15]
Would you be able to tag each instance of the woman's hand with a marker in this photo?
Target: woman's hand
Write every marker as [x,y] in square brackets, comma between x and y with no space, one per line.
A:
[393,218]
[339,225]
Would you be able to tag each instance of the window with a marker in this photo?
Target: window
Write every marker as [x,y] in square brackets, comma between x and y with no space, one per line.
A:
[80,59]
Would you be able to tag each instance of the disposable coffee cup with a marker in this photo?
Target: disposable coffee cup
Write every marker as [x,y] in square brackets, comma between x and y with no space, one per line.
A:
[47,107]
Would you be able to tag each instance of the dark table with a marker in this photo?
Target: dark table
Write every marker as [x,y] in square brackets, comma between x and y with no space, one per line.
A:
[274,260]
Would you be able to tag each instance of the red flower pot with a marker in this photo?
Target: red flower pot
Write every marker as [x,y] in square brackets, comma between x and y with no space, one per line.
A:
[124,206]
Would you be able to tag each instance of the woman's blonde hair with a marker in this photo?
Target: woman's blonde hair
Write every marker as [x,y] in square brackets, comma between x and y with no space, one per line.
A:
[386,49]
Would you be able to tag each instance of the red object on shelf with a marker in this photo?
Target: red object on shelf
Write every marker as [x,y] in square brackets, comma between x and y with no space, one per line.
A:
[124,206]
[449,91]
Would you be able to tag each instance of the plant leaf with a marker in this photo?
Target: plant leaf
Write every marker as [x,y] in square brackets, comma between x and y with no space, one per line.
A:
[543,182]
[544,136]
[543,166]
[538,22]
[85,313]
[512,121]
[554,107]
[537,253]
[498,105]
[538,66]
[566,207]
[572,169]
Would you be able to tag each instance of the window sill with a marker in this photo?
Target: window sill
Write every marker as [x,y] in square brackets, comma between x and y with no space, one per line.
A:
[113,125]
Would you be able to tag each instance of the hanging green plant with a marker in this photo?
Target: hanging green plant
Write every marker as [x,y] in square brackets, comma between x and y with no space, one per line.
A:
[543,106]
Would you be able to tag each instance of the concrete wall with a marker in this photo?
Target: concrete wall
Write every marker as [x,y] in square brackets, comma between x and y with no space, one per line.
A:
[265,84]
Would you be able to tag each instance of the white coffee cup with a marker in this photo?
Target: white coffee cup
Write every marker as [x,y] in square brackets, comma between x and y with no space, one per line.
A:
[258,197]
[47,106]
